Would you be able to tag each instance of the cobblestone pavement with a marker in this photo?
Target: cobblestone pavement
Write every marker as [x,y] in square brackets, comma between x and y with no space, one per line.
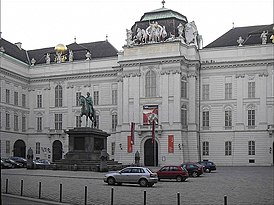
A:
[242,185]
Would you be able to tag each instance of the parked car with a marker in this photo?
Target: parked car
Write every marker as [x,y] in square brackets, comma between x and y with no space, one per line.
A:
[173,172]
[5,165]
[208,165]
[41,163]
[194,169]
[133,175]
[13,163]
[20,160]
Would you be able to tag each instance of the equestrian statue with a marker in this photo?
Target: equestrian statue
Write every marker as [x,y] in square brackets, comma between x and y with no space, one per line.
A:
[87,109]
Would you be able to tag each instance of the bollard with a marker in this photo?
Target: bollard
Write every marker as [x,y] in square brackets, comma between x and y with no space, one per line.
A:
[60,193]
[225,200]
[111,196]
[145,197]
[178,198]
[7,185]
[86,193]
[39,191]
[22,182]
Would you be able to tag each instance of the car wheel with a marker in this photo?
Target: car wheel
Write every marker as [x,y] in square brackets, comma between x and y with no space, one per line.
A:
[143,182]
[179,178]
[111,181]
[194,174]
[208,170]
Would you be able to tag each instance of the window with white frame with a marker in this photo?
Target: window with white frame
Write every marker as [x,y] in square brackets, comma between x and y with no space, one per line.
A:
[184,116]
[228,118]
[251,89]
[228,148]
[251,117]
[114,97]
[96,97]
[39,101]
[58,121]
[150,84]
[58,96]
[15,98]
[205,148]
[23,100]
[114,121]
[205,119]
[78,121]
[77,100]
[7,96]
[251,147]
[37,148]
[184,87]
[7,120]
[16,127]
[205,91]
[23,123]
[7,146]
[228,90]
[39,124]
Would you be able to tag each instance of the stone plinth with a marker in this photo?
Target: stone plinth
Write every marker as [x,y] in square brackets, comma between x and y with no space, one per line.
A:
[86,143]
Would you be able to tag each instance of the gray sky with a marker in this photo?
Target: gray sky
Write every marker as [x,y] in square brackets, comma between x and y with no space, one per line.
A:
[46,23]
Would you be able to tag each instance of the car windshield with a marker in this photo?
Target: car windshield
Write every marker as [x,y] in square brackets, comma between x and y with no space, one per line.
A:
[149,170]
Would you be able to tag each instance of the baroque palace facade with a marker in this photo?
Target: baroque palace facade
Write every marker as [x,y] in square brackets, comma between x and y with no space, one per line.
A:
[214,102]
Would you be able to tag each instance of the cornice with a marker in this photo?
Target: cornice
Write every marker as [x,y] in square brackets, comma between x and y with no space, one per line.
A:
[13,75]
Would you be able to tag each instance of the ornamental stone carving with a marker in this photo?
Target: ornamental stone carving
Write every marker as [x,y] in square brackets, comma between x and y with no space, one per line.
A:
[264,37]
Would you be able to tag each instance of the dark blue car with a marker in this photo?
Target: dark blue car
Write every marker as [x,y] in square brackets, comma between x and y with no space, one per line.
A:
[208,165]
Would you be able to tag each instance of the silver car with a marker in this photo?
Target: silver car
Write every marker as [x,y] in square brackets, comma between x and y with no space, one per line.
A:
[133,175]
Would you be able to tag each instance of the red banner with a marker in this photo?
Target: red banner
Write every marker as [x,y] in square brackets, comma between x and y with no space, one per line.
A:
[132,132]
[129,144]
[170,144]
[153,131]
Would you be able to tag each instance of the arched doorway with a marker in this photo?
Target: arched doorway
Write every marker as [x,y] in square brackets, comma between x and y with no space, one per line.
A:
[57,149]
[19,149]
[149,152]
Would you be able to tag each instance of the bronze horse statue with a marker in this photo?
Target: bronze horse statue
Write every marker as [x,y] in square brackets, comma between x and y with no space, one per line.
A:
[88,111]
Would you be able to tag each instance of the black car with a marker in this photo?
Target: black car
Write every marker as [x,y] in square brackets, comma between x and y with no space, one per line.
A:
[13,163]
[208,165]
[20,160]
[194,169]
[5,165]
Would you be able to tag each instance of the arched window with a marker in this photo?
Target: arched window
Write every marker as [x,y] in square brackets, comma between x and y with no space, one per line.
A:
[58,96]
[184,116]
[150,84]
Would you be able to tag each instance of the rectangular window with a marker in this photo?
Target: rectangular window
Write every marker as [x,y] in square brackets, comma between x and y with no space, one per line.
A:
[23,100]
[114,122]
[251,117]
[7,121]
[23,123]
[16,128]
[205,119]
[184,116]
[39,124]
[205,90]
[7,147]
[78,121]
[37,150]
[112,148]
[7,96]
[114,97]
[96,97]
[251,147]
[15,98]
[77,100]
[228,148]
[251,89]
[183,89]
[205,148]
[39,101]
[58,121]
[228,91]
[228,118]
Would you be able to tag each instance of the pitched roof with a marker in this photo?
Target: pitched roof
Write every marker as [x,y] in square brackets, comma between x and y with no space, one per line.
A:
[250,34]
[100,49]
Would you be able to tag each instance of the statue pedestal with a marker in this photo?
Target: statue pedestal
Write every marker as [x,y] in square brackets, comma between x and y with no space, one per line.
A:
[86,143]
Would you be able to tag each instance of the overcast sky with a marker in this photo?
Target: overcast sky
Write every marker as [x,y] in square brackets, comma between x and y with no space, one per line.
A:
[46,23]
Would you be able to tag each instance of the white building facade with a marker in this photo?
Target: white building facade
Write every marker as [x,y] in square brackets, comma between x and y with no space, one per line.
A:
[214,103]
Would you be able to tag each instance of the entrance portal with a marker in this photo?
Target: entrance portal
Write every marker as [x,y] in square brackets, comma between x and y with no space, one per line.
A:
[19,149]
[57,149]
[149,153]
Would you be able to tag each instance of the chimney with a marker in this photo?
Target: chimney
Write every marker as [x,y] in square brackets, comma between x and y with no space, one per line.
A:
[19,45]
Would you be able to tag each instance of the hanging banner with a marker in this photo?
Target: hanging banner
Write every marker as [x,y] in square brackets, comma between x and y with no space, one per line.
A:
[129,144]
[170,144]
[150,113]
[132,130]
